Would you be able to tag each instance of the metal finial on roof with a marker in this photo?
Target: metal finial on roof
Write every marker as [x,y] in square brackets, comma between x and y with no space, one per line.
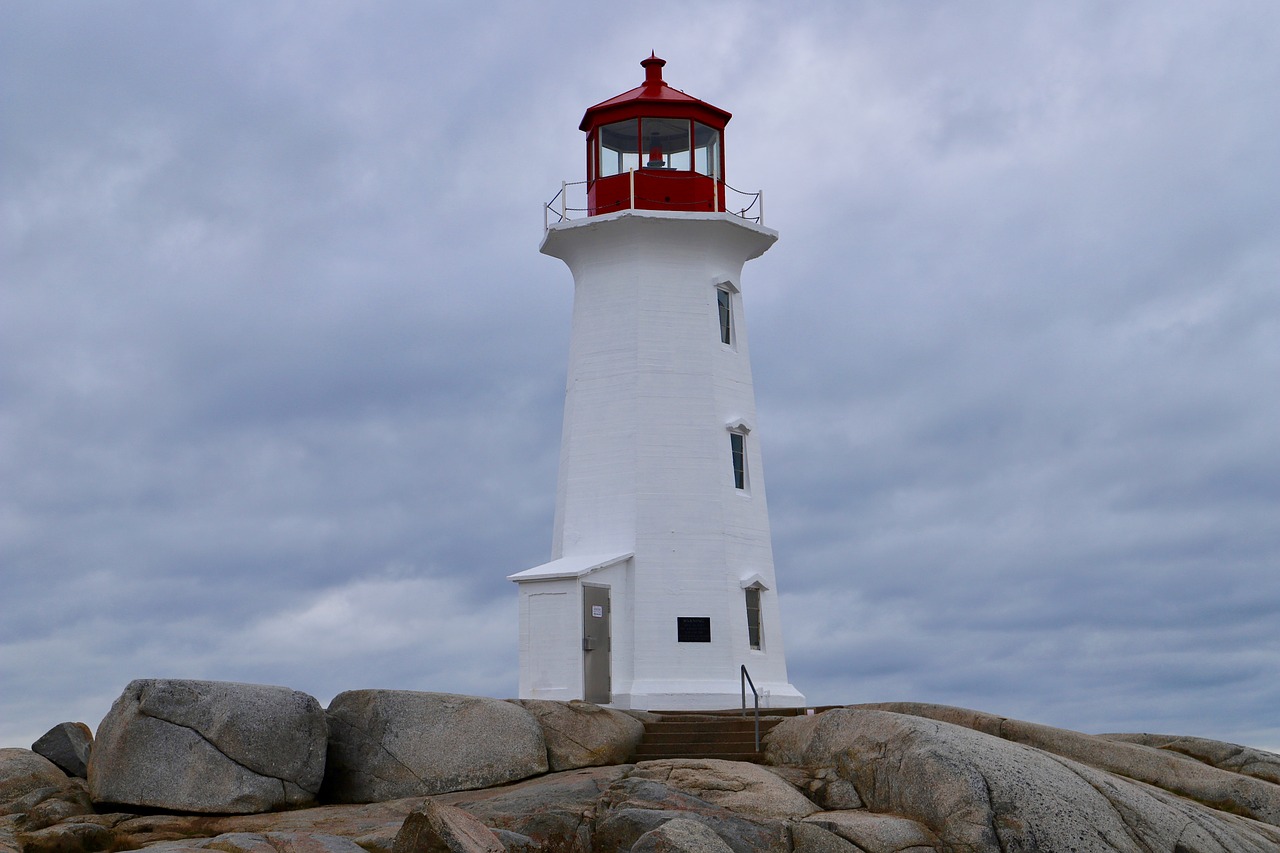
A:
[653,69]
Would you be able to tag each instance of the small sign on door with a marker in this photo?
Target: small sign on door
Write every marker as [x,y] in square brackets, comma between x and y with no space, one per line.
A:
[597,611]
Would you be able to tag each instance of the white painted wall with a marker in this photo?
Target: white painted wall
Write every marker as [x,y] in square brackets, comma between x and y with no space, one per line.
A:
[645,465]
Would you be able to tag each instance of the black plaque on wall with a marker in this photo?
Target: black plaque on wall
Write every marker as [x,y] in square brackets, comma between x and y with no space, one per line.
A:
[693,629]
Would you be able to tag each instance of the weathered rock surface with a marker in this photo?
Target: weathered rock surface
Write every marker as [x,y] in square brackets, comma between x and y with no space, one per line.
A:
[977,792]
[23,772]
[579,734]
[633,806]
[266,842]
[1220,789]
[680,835]
[437,828]
[877,832]
[35,793]
[67,745]
[373,827]
[209,746]
[387,744]
[901,778]
[557,811]
[746,789]
[808,837]
[1225,756]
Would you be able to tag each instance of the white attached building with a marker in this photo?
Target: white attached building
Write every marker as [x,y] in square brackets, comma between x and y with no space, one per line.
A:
[661,585]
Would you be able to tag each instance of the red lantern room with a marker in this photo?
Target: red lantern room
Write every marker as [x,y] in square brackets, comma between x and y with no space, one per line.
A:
[654,148]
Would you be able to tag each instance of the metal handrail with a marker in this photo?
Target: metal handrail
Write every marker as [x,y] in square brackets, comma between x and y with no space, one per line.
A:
[746,679]
[557,209]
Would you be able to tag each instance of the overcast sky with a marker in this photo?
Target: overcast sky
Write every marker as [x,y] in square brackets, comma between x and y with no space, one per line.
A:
[281,367]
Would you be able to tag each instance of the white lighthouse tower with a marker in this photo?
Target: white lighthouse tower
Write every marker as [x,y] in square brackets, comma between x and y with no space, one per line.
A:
[661,584]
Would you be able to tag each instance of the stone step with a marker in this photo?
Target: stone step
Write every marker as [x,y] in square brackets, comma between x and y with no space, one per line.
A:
[726,726]
[704,734]
[705,737]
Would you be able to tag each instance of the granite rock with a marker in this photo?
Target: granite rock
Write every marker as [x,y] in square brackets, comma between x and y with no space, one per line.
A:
[437,828]
[25,774]
[680,835]
[67,745]
[209,746]
[388,744]
[747,789]
[579,734]
[977,792]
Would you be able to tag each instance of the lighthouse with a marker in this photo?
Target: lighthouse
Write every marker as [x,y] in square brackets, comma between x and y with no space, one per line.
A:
[661,585]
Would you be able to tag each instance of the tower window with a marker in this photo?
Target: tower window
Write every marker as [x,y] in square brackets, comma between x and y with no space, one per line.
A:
[725,301]
[738,449]
[753,616]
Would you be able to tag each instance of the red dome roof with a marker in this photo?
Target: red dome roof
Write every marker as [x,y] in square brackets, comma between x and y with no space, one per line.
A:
[654,98]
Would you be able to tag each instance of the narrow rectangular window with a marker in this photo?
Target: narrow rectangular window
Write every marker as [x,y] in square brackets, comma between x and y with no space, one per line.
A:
[738,447]
[725,300]
[753,616]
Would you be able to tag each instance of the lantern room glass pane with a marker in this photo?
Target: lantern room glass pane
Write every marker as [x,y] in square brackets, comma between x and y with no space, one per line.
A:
[706,150]
[619,148]
[666,143]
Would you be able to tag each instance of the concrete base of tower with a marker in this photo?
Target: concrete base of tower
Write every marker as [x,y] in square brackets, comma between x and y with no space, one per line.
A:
[704,696]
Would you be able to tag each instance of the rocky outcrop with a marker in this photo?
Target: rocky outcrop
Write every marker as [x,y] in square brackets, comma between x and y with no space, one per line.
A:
[901,778]
[978,792]
[209,746]
[67,745]
[387,744]
[579,734]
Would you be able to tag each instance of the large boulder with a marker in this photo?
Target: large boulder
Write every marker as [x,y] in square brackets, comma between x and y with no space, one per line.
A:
[978,792]
[387,744]
[209,746]
[580,734]
[67,745]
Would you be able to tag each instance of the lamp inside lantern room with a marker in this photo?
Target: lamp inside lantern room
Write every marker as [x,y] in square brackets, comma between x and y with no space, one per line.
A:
[655,151]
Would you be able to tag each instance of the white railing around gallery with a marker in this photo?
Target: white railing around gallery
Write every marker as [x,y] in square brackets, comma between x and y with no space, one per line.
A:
[571,202]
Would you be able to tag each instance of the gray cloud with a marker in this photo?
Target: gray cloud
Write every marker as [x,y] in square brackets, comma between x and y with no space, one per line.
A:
[283,368]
